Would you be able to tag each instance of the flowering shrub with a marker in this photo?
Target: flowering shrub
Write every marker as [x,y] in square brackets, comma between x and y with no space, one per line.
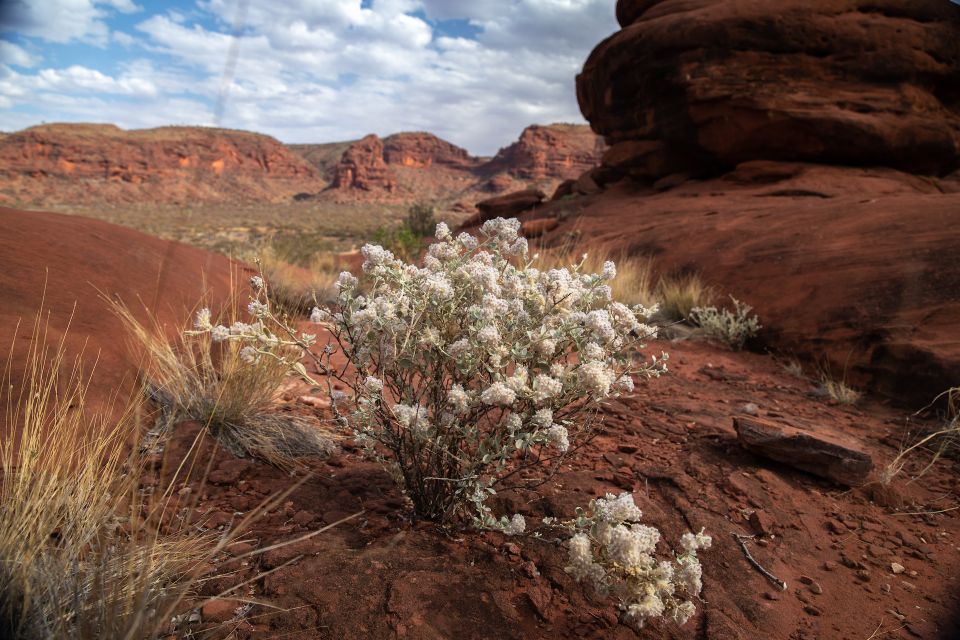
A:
[474,368]
[616,555]
[478,366]
[731,328]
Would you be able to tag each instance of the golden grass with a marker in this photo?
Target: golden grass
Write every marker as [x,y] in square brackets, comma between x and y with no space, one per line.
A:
[635,274]
[193,378]
[839,391]
[937,443]
[295,289]
[77,557]
[682,293]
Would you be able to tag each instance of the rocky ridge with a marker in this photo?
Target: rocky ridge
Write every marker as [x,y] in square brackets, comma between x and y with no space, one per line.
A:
[83,163]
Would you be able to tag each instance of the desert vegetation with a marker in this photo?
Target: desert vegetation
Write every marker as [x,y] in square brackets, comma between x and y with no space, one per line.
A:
[81,553]
[732,328]
[472,373]
[226,386]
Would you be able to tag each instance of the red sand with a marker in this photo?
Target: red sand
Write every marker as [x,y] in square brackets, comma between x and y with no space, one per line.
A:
[85,263]
[673,445]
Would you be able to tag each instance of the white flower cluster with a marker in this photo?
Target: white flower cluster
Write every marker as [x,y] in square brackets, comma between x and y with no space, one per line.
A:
[616,554]
[494,359]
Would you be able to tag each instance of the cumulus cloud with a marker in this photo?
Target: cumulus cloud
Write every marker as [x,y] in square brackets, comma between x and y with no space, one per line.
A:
[64,20]
[15,55]
[321,70]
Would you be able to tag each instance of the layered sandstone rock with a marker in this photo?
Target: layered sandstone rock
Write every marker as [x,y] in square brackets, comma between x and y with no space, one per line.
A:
[362,167]
[551,152]
[702,85]
[83,163]
[421,150]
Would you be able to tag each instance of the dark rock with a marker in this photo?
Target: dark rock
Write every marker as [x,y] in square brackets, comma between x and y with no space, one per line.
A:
[702,86]
[564,189]
[827,455]
[511,204]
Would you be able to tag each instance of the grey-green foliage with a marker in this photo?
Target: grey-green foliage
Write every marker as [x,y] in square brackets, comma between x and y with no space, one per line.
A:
[733,328]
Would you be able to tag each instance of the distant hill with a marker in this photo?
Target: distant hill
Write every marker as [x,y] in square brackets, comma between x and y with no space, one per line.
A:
[93,164]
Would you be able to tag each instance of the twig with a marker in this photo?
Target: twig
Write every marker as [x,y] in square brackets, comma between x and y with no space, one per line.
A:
[756,565]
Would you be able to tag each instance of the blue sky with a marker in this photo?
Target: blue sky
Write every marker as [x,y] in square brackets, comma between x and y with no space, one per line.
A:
[474,72]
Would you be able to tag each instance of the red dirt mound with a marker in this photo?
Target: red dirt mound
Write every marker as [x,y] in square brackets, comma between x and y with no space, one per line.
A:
[92,164]
[855,267]
[67,265]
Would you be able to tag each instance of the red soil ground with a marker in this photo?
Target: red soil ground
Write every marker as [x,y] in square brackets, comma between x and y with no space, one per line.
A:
[672,444]
[67,267]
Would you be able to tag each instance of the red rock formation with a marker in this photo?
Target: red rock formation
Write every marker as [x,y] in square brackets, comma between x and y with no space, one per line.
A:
[552,152]
[102,163]
[854,269]
[701,85]
[422,150]
[362,167]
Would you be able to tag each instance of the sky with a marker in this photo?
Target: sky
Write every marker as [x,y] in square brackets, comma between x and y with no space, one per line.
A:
[474,72]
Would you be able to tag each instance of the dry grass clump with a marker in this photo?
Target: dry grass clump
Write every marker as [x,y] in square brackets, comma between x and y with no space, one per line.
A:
[839,391]
[77,559]
[296,289]
[637,281]
[635,274]
[680,294]
[937,443]
[218,385]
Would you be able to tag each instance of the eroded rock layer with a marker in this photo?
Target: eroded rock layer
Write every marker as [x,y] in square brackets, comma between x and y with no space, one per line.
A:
[556,151]
[83,163]
[702,85]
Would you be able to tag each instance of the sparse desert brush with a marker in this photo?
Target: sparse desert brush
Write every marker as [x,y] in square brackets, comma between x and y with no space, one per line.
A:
[77,557]
[206,376]
[794,368]
[680,294]
[838,390]
[937,443]
[471,370]
[296,289]
[732,328]
[633,283]
[407,239]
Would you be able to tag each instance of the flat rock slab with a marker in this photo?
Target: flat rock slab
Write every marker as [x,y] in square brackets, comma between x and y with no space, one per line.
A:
[826,455]
[510,204]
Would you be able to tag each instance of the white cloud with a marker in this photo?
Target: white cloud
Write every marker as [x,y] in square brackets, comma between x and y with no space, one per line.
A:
[16,55]
[64,20]
[321,70]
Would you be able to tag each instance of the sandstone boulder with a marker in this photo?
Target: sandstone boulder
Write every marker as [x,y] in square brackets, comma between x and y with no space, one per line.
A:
[815,451]
[511,204]
[701,85]
[538,227]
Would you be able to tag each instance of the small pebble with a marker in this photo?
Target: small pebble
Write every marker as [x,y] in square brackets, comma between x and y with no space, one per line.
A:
[896,567]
